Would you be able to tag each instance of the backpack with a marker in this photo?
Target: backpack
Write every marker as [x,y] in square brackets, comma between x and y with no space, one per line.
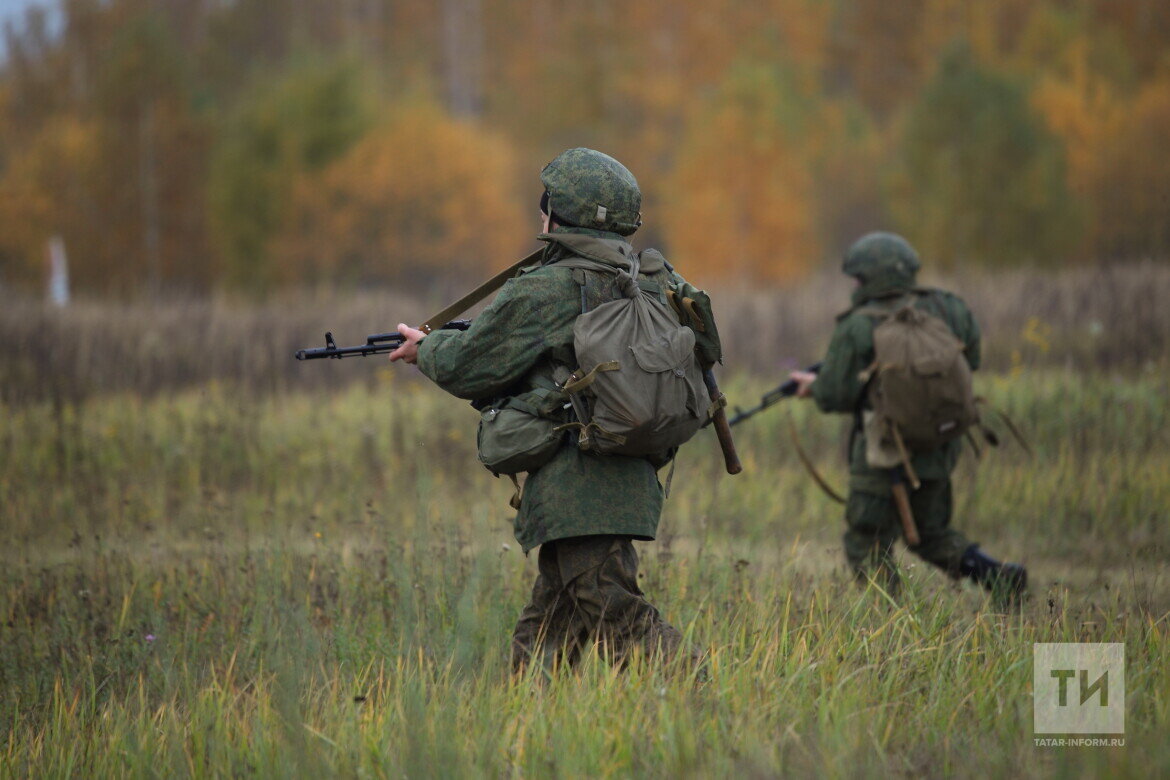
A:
[639,388]
[921,389]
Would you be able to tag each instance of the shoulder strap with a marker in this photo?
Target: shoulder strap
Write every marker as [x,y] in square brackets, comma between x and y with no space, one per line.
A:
[580,264]
[807,461]
[881,312]
[870,308]
[479,293]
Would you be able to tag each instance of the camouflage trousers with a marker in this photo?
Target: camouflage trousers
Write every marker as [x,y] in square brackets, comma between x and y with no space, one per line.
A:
[874,527]
[587,595]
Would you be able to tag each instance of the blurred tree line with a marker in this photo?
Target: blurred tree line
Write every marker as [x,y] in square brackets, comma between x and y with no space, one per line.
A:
[256,144]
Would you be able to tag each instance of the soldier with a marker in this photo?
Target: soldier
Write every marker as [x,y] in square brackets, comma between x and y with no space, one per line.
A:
[582,509]
[885,266]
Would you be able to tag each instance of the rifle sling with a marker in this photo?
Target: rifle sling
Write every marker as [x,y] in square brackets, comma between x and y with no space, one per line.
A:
[808,464]
[479,293]
[1011,426]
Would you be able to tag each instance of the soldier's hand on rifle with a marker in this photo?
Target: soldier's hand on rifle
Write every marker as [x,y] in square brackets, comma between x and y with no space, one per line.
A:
[409,349]
[804,381]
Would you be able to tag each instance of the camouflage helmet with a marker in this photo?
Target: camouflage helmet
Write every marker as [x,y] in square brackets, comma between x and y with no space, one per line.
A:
[593,190]
[881,254]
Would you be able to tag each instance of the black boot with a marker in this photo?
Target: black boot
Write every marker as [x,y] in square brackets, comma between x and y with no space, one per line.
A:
[1006,581]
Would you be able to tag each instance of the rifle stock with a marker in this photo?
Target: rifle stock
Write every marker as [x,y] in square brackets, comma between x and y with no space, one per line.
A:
[722,429]
[902,503]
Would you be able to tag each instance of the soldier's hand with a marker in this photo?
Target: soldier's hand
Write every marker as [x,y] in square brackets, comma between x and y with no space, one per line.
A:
[409,349]
[804,381]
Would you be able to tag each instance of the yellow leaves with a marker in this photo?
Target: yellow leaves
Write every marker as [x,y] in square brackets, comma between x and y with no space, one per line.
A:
[1132,182]
[1036,334]
[36,180]
[1107,136]
[1083,109]
[742,192]
[423,190]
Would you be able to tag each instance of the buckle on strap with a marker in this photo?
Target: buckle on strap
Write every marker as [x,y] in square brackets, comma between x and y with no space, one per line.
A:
[586,432]
[687,310]
[716,405]
[575,385]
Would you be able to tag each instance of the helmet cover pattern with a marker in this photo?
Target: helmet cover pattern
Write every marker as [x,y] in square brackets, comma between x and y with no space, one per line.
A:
[881,254]
[589,189]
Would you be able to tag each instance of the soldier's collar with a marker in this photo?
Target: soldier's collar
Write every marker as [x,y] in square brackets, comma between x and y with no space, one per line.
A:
[885,296]
[607,248]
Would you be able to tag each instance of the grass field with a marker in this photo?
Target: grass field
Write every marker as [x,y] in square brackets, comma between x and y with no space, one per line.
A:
[323,584]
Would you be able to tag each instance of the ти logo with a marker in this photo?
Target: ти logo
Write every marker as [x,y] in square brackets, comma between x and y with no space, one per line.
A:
[1078,688]
[1087,691]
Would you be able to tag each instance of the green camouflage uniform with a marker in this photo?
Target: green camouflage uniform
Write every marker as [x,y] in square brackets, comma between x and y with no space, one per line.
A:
[872,520]
[587,592]
[582,507]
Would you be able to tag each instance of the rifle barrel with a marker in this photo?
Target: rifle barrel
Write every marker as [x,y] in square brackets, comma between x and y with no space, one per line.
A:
[786,389]
[341,352]
[376,344]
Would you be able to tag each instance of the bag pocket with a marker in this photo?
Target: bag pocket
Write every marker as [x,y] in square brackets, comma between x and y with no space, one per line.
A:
[880,450]
[514,438]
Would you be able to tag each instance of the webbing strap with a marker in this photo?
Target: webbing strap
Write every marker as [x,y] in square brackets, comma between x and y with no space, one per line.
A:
[687,310]
[693,312]
[479,293]
[514,501]
[586,432]
[716,405]
[577,385]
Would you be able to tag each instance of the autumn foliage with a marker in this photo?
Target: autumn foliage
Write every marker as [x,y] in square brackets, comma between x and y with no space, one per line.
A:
[420,191]
[259,144]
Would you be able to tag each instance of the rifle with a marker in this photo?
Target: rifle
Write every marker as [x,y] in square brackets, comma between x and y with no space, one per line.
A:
[902,503]
[722,429]
[784,390]
[388,342]
[375,344]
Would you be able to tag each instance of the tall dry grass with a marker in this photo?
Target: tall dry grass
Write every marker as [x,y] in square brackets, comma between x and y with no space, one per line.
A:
[219,561]
[322,584]
[1083,318]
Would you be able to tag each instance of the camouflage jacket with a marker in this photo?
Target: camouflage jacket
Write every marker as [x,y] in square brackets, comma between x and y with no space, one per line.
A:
[526,333]
[839,389]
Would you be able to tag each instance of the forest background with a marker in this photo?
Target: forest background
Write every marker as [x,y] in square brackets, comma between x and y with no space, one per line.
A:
[179,146]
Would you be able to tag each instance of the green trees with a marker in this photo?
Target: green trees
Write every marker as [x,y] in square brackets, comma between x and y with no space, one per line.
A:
[980,178]
[285,128]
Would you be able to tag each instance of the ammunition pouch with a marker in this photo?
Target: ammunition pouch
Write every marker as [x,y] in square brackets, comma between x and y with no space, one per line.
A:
[523,432]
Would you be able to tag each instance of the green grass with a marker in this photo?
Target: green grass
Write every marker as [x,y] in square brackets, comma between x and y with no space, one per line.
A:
[324,586]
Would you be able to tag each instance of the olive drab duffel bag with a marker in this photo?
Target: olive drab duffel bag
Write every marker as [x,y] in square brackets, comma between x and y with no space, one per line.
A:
[639,389]
[920,390]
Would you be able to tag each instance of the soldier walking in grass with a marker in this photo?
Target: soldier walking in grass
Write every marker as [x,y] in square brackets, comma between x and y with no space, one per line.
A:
[582,508]
[885,267]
